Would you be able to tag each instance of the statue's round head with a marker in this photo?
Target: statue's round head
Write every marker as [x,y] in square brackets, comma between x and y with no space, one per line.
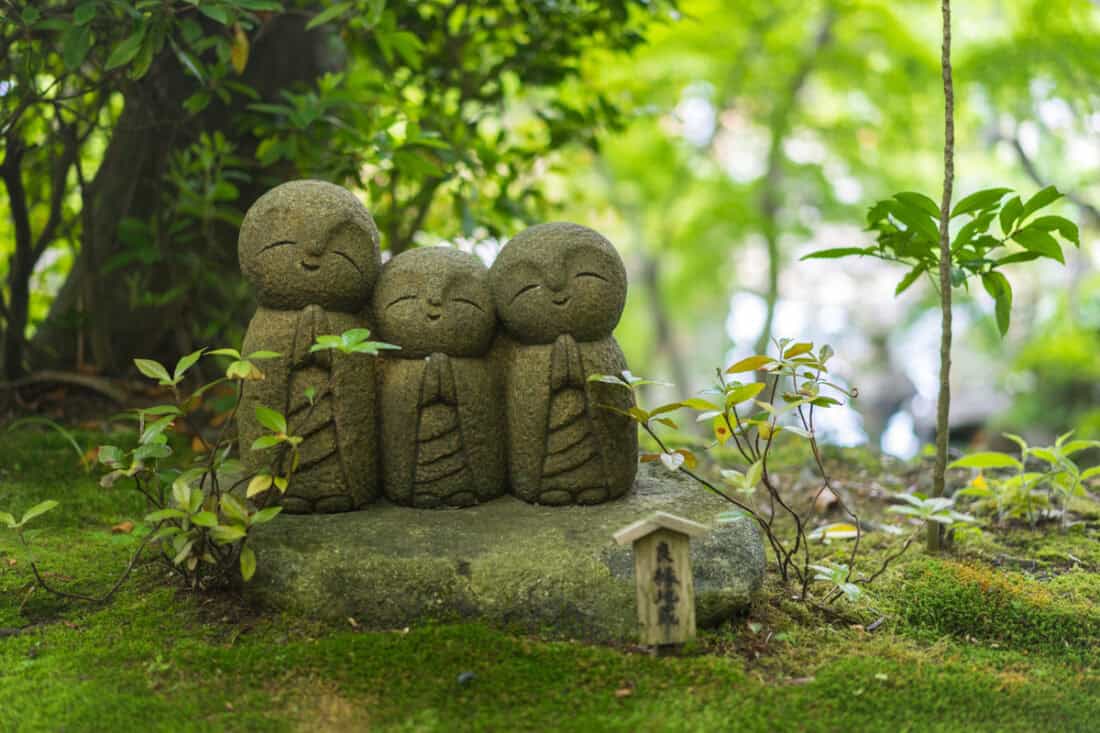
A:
[558,278]
[435,300]
[310,242]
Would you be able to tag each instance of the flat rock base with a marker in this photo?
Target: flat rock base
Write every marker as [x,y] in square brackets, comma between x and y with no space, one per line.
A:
[551,570]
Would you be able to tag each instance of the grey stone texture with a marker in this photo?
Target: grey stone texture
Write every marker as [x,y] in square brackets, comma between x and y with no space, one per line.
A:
[311,251]
[442,406]
[553,570]
[560,289]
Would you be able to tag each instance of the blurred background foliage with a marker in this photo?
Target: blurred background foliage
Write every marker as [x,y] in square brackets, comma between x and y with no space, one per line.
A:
[715,142]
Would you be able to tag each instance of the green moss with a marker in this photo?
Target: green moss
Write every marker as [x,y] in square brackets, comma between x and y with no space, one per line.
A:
[972,601]
[964,647]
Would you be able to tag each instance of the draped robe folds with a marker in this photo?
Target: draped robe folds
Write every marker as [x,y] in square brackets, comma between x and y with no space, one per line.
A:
[338,468]
[442,431]
[565,448]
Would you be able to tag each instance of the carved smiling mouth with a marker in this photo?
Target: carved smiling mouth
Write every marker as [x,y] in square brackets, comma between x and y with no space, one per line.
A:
[434,316]
[562,300]
[309,266]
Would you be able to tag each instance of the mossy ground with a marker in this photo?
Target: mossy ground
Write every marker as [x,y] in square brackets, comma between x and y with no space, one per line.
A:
[1001,636]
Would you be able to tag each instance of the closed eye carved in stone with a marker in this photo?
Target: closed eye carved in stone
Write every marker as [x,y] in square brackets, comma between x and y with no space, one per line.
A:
[280,243]
[523,290]
[400,299]
[588,273]
[467,301]
[347,257]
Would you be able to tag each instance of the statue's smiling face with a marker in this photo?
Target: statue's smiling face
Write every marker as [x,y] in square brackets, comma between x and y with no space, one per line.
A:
[435,300]
[310,242]
[556,279]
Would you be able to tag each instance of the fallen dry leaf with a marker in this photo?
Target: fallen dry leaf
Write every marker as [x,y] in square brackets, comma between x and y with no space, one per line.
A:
[123,527]
[824,501]
[197,445]
[624,692]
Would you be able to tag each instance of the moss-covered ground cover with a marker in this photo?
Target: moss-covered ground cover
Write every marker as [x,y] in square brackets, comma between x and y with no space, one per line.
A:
[1003,635]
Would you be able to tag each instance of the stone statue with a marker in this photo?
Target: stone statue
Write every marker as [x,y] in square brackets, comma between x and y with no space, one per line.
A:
[441,405]
[311,252]
[560,290]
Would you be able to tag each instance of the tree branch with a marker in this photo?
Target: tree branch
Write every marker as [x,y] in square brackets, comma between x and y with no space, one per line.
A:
[1032,172]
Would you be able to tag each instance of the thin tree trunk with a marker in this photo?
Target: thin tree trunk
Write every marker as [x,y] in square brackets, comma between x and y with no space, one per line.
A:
[662,324]
[935,531]
[20,265]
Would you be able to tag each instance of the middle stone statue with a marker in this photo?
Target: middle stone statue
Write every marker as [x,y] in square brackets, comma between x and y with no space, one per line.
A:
[442,409]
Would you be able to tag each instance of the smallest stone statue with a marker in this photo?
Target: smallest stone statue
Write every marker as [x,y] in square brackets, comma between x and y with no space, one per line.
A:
[442,410]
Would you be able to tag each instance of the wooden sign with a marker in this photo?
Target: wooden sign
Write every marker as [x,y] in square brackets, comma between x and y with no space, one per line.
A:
[662,575]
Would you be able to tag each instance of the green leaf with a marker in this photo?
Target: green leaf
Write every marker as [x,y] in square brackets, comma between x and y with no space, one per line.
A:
[215,13]
[266,515]
[745,392]
[224,534]
[834,253]
[159,410]
[919,201]
[270,419]
[910,277]
[156,428]
[330,13]
[1064,226]
[7,519]
[84,13]
[126,50]
[1040,242]
[185,363]
[38,510]
[998,287]
[227,352]
[988,459]
[153,370]
[266,441]
[1043,198]
[75,44]
[248,563]
[205,519]
[1010,212]
[697,403]
[979,200]
[916,220]
[1018,257]
[233,508]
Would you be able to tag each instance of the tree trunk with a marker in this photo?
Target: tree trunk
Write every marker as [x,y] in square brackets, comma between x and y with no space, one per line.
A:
[128,183]
[935,529]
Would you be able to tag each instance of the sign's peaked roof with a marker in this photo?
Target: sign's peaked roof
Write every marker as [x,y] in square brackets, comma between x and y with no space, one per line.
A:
[659,520]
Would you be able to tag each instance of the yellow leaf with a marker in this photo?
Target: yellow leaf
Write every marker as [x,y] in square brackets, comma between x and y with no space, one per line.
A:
[238,50]
[744,392]
[979,482]
[721,430]
[798,349]
[751,364]
[259,484]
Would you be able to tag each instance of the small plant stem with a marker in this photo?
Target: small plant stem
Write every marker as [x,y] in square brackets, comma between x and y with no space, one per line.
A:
[777,547]
[943,405]
[80,596]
